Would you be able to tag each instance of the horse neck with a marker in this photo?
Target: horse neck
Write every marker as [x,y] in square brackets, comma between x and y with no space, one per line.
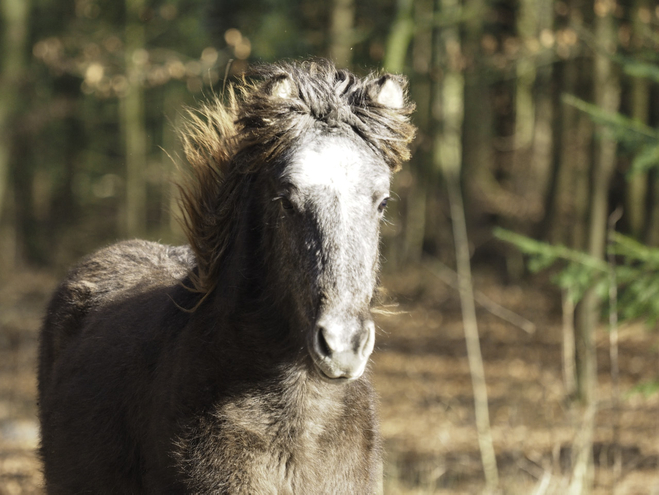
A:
[242,303]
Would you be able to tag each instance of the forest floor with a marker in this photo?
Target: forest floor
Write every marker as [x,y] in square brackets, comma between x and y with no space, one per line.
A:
[421,373]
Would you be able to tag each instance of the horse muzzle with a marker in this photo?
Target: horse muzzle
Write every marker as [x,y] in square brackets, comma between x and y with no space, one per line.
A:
[340,348]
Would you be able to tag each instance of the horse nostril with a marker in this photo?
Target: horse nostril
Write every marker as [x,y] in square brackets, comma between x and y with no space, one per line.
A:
[323,346]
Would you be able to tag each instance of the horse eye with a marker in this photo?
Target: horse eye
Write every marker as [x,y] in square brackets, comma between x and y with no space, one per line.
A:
[383,205]
[285,203]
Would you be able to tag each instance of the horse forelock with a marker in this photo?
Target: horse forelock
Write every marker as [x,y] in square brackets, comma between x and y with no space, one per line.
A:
[321,96]
[225,143]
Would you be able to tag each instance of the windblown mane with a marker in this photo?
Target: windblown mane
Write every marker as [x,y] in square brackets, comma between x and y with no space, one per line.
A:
[263,119]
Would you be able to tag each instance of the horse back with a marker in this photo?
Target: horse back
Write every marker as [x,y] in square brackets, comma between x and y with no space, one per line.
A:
[106,276]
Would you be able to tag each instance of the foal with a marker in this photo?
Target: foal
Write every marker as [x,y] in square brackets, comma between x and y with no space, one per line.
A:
[236,364]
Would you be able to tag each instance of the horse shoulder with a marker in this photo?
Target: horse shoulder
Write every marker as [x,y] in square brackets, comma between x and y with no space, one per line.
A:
[105,276]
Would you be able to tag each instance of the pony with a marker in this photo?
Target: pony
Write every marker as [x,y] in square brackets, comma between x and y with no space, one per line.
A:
[237,363]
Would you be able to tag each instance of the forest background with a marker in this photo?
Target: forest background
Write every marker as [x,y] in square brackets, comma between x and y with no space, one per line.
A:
[545,113]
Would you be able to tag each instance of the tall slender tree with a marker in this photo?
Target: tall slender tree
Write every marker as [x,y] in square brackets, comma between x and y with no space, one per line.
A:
[448,106]
[527,27]
[637,186]
[132,117]
[13,65]
[400,36]
[607,97]
[477,136]
[341,32]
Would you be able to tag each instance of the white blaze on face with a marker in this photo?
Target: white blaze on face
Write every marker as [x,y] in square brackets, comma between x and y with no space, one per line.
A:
[342,186]
[332,165]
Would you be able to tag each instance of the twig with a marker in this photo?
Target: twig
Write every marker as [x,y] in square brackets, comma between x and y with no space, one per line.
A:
[450,278]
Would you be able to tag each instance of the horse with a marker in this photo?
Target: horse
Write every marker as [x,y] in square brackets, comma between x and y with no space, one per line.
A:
[237,363]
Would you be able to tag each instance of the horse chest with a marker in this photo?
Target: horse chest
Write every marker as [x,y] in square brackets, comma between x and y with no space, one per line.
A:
[260,447]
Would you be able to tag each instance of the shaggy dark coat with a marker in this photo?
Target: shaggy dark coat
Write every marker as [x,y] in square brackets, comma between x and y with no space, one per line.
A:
[182,369]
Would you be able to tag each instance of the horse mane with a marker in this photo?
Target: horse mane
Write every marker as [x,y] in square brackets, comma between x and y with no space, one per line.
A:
[265,116]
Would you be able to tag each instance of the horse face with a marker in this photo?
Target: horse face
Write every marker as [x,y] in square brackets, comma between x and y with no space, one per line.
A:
[328,203]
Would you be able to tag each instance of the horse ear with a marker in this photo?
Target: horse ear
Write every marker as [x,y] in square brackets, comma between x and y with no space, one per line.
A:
[282,87]
[388,91]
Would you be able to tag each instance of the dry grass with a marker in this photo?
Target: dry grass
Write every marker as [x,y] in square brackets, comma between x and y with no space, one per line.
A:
[428,419]
[22,300]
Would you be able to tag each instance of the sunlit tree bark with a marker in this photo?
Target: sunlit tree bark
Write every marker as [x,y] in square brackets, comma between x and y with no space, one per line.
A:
[637,186]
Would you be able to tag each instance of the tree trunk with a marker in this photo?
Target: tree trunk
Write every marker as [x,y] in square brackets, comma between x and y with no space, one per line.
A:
[421,188]
[447,158]
[637,186]
[400,37]
[341,32]
[549,229]
[13,63]
[527,21]
[477,155]
[132,116]
[542,140]
[607,97]
[651,236]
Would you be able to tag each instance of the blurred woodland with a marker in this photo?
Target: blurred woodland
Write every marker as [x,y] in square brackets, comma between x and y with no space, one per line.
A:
[545,112]
[92,92]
